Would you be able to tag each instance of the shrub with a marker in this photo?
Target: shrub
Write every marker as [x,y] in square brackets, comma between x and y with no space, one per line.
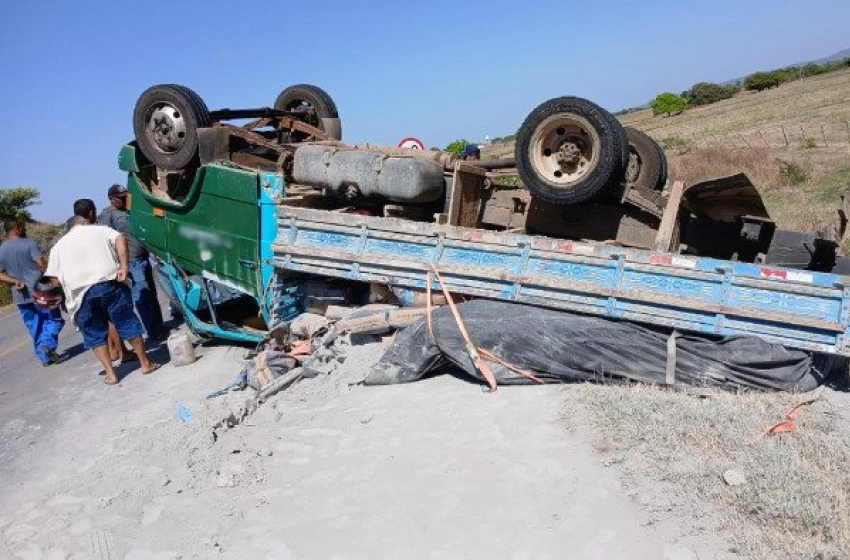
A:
[759,81]
[674,143]
[15,201]
[5,294]
[705,93]
[810,143]
[457,147]
[795,174]
[813,69]
[668,104]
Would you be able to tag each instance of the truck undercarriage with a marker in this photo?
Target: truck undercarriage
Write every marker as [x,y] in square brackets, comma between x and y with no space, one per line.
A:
[583,218]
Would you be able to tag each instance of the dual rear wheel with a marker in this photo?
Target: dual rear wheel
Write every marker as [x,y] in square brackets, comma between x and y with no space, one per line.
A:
[570,150]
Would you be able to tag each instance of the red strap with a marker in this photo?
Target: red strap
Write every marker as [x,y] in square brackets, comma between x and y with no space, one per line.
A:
[790,422]
[480,366]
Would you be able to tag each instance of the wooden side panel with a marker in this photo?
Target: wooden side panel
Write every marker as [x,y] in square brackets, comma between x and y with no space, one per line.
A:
[465,196]
[670,220]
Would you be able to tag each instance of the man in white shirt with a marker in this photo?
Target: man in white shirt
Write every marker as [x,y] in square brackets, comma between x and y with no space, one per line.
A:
[90,263]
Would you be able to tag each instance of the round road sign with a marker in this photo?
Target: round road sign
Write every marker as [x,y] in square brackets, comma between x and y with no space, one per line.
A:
[412,144]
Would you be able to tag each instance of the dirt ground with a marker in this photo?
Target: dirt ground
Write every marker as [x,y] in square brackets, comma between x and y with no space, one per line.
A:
[327,469]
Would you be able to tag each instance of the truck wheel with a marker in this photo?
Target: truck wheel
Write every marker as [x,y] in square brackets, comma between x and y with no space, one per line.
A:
[647,167]
[569,149]
[166,121]
[316,106]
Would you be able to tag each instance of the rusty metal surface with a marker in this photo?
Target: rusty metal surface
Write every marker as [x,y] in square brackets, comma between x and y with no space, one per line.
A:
[725,199]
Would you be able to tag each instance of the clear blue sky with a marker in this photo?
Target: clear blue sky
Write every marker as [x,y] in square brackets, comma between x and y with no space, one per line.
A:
[70,72]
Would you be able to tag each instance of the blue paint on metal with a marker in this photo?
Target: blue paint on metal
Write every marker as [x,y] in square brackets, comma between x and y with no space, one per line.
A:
[801,309]
[281,299]
[197,325]
[271,187]
[399,248]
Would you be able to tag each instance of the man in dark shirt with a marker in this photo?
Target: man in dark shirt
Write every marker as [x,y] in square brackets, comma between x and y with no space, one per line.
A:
[141,273]
[21,265]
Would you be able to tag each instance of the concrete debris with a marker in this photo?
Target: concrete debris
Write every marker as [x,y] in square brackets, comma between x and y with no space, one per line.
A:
[734,477]
[338,312]
[307,325]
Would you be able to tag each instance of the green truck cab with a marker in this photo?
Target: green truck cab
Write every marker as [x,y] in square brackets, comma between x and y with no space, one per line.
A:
[211,233]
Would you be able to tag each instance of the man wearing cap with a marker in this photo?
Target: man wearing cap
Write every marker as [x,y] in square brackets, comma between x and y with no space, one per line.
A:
[21,265]
[90,263]
[471,152]
[141,273]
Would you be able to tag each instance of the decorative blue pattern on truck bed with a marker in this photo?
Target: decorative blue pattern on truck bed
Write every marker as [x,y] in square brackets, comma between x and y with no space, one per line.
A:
[800,309]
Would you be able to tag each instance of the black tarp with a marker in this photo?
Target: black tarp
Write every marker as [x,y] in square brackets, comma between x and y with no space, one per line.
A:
[562,347]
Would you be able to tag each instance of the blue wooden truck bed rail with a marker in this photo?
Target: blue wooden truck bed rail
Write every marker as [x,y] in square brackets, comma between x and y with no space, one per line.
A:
[796,308]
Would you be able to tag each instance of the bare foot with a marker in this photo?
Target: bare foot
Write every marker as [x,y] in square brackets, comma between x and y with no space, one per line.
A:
[111,380]
[153,367]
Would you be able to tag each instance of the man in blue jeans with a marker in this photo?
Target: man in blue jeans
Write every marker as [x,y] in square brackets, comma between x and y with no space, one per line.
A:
[141,273]
[21,265]
[90,263]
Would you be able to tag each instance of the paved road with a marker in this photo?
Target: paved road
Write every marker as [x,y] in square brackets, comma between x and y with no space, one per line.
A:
[26,386]
[23,380]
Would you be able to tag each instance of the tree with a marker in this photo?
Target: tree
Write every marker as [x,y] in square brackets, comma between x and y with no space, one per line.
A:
[668,104]
[759,81]
[457,147]
[15,201]
[812,69]
[705,93]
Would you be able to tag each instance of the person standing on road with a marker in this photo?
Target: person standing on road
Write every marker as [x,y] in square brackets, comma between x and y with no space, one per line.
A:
[21,265]
[118,352]
[141,272]
[90,262]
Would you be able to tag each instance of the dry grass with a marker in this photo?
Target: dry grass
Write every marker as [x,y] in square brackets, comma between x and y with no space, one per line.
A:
[801,206]
[674,448]
[823,99]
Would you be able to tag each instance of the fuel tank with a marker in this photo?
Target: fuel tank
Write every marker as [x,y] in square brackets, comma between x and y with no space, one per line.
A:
[368,173]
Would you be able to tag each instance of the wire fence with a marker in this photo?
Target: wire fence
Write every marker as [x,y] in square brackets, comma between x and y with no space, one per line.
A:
[803,135]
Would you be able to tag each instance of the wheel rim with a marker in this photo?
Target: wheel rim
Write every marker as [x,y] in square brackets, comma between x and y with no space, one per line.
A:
[565,149]
[633,169]
[166,128]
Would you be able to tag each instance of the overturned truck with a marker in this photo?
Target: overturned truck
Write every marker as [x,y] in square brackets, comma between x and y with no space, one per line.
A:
[278,211]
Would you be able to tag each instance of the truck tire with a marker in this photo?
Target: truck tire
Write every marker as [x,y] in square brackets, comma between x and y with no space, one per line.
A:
[569,149]
[319,109]
[166,122]
[647,167]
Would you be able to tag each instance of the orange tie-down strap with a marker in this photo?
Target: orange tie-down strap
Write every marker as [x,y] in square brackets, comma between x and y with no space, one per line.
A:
[475,353]
[790,422]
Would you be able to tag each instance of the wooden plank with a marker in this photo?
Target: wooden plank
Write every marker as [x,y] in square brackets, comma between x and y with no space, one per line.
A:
[670,219]
[466,192]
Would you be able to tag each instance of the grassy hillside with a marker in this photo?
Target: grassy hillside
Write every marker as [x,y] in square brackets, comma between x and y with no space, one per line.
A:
[792,141]
[810,103]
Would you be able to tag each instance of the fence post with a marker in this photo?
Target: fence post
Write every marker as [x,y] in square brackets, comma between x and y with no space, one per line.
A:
[745,140]
[803,135]
[822,133]
[763,139]
[847,127]
[782,126]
